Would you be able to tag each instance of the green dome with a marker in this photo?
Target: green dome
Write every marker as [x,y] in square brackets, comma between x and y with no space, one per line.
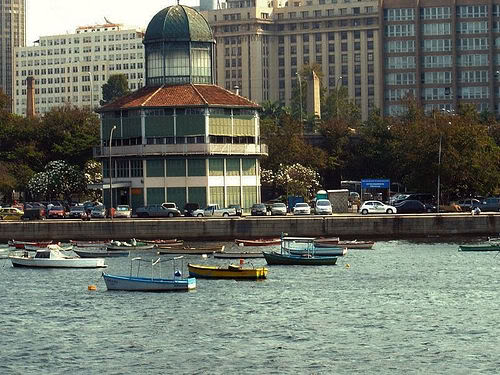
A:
[178,23]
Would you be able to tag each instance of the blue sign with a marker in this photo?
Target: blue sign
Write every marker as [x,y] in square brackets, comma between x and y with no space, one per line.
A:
[375,184]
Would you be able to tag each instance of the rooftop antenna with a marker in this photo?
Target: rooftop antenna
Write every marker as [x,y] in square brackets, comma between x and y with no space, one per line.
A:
[107,21]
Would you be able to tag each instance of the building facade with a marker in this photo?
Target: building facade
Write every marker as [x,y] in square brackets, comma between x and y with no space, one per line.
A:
[180,138]
[442,53]
[12,34]
[72,68]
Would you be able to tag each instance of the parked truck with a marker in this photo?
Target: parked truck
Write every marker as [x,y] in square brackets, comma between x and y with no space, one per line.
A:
[215,210]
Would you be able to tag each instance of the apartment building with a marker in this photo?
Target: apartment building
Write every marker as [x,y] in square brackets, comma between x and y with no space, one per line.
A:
[442,53]
[12,34]
[262,45]
[72,68]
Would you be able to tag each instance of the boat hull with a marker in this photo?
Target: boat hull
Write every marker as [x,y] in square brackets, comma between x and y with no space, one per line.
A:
[274,241]
[238,255]
[231,272]
[321,251]
[276,259]
[347,244]
[485,247]
[145,284]
[129,248]
[191,250]
[101,254]
[57,263]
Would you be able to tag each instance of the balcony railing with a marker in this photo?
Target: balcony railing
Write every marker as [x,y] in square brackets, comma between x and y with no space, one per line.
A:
[182,149]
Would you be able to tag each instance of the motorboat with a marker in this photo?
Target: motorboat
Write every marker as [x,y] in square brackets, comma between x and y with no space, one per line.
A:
[231,271]
[259,242]
[101,253]
[53,258]
[132,245]
[191,250]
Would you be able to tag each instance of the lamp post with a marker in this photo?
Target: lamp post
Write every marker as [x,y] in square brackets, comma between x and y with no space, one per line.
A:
[337,96]
[300,93]
[111,174]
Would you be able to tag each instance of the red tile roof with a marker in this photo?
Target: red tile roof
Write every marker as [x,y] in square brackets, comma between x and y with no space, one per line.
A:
[187,95]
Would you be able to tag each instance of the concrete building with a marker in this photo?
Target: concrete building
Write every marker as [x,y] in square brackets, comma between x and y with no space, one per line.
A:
[262,45]
[12,34]
[70,68]
[442,53]
[180,138]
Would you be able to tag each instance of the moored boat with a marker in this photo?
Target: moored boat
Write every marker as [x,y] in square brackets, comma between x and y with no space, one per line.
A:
[239,255]
[480,247]
[259,242]
[321,251]
[283,259]
[47,258]
[133,245]
[354,244]
[89,243]
[150,284]
[53,246]
[232,271]
[22,244]
[101,253]
[191,250]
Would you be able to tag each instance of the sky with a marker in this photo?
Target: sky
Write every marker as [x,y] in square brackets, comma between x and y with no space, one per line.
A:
[54,17]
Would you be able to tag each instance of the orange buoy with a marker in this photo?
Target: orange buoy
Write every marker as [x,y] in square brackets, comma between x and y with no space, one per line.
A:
[92,287]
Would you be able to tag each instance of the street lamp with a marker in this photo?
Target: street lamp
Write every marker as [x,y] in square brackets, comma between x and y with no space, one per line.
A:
[111,174]
[337,96]
[300,92]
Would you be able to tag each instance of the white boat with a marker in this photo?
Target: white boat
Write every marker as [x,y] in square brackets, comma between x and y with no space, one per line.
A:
[50,247]
[132,245]
[48,258]
[307,246]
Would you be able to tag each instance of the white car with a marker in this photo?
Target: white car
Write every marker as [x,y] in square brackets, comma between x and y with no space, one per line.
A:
[376,207]
[323,207]
[302,209]
[278,209]
[123,210]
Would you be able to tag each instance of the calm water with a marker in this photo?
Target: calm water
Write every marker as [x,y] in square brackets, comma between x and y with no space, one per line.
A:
[407,307]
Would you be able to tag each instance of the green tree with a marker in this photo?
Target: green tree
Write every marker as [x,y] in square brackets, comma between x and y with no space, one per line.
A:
[116,87]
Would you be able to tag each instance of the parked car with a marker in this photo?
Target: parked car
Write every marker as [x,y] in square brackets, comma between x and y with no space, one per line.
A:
[76,212]
[491,204]
[466,204]
[216,210]
[422,197]
[323,207]
[10,213]
[278,209]
[123,210]
[410,207]
[172,209]
[258,209]
[302,209]
[376,207]
[157,210]
[56,212]
[237,207]
[189,208]
[98,212]
[34,213]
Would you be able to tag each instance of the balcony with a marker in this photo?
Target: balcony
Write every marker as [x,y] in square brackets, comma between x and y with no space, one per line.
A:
[182,149]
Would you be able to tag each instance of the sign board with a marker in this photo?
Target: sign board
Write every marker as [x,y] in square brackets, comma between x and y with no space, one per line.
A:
[375,184]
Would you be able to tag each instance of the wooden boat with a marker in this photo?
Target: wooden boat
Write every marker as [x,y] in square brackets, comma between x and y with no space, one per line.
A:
[47,258]
[327,240]
[22,244]
[179,243]
[89,243]
[101,254]
[235,255]
[275,258]
[259,242]
[133,245]
[354,244]
[191,250]
[150,284]
[321,251]
[232,271]
[54,246]
[480,247]
[173,241]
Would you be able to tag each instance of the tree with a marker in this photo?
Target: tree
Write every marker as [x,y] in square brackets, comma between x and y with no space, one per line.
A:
[116,87]
[293,180]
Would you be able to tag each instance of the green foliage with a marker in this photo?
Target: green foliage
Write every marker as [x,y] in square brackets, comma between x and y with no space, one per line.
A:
[116,87]
[293,179]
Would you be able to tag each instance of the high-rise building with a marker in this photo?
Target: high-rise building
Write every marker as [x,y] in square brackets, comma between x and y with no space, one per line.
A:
[441,53]
[71,68]
[262,45]
[12,34]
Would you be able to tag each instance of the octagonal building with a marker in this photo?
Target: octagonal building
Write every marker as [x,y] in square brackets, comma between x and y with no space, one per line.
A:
[180,138]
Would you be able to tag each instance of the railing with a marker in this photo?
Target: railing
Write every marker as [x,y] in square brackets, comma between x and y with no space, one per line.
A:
[183,149]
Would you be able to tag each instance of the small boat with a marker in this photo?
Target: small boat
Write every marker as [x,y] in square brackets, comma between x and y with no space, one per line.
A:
[150,284]
[232,271]
[354,244]
[22,244]
[191,250]
[163,242]
[480,247]
[89,243]
[327,240]
[54,246]
[133,245]
[259,242]
[179,243]
[322,251]
[236,255]
[53,258]
[101,254]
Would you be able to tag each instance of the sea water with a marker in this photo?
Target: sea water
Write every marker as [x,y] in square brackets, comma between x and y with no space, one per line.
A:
[409,307]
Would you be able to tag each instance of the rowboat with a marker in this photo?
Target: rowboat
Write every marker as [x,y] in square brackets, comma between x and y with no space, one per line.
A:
[235,255]
[232,271]
[275,258]
[48,258]
[162,242]
[54,246]
[150,284]
[179,243]
[354,244]
[480,247]
[101,254]
[89,243]
[133,245]
[191,250]
[22,244]
[259,242]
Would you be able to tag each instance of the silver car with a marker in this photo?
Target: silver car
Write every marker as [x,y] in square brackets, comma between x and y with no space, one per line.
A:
[123,210]
[323,207]
[278,209]
[302,209]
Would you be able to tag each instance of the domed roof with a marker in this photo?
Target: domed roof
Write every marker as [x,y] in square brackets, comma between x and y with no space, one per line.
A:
[178,23]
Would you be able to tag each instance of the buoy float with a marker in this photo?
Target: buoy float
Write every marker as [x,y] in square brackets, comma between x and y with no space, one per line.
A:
[347,265]
[92,287]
